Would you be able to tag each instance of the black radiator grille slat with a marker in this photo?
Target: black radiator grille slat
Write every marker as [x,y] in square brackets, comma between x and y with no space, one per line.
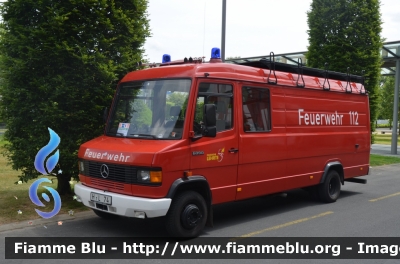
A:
[118,173]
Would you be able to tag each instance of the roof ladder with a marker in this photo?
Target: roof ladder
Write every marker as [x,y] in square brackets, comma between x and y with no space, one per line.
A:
[348,81]
[326,76]
[300,73]
[362,83]
[272,67]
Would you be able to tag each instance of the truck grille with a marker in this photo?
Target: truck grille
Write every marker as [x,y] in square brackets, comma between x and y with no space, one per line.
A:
[107,184]
[118,173]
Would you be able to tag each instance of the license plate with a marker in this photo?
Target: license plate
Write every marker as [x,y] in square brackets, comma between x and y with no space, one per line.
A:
[100,198]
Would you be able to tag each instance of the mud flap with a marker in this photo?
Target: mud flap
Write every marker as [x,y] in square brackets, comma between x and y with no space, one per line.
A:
[210,218]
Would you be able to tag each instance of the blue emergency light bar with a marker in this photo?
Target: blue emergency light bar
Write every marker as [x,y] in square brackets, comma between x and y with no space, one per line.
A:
[166,58]
[215,53]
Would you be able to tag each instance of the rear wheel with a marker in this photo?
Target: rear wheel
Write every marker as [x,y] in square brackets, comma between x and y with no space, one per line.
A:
[329,190]
[105,215]
[187,215]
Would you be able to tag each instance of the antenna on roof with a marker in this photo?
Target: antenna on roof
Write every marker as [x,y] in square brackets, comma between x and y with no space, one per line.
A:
[204,27]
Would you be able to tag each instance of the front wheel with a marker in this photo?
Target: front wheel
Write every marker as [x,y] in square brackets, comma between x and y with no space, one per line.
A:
[329,190]
[187,215]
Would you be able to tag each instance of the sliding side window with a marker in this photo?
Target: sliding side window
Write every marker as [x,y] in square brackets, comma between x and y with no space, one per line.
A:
[256,109]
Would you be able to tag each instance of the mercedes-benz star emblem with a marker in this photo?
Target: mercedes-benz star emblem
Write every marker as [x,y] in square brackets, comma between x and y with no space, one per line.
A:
[104,171]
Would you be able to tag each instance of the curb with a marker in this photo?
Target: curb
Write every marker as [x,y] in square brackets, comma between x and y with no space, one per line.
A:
[43,222]
[386,155]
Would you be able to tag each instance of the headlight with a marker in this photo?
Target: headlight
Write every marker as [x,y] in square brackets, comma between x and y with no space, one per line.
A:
[147,176]
[144,176]
[81,166]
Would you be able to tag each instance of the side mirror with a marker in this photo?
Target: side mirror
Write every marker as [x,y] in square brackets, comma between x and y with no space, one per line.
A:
[210,120]
[105,114]
[210,115]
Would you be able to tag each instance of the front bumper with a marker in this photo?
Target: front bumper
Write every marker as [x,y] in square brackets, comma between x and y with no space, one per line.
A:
[124,205]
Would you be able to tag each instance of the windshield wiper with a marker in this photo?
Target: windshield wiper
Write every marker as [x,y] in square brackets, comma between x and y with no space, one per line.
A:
[144,135]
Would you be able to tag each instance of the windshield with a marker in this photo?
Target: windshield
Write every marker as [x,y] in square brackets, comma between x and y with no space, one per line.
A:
[150,109]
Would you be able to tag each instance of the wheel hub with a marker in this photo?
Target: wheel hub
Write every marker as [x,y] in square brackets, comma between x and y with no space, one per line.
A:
[191,216]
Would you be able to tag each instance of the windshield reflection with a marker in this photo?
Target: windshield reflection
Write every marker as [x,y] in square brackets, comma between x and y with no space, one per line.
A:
[150,109]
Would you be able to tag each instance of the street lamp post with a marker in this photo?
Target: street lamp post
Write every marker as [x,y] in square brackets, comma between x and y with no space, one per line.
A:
[223,30]
[396,107]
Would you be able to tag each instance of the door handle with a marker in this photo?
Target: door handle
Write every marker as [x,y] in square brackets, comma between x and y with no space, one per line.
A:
[233,150]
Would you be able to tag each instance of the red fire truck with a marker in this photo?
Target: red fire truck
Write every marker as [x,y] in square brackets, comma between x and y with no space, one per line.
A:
[182,136]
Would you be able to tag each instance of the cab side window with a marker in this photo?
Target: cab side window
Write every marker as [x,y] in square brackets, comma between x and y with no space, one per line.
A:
[221,95]
[256,109]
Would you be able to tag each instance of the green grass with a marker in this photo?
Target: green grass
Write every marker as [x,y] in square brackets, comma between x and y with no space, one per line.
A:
[383,126]
[385,139]
[2,141]
[378,160]
[14,197]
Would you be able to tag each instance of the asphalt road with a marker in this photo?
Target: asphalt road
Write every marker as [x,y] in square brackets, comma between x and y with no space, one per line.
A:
[363,210]
[385,150]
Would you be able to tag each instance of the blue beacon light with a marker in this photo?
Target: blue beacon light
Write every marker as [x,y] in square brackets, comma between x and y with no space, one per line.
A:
[166,58]
[215,53]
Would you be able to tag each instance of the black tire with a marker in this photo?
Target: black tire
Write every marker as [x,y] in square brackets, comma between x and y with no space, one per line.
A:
[329,191]
[105,215]
[187,215]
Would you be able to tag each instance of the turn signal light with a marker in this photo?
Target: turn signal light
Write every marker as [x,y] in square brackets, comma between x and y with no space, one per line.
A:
[156,176]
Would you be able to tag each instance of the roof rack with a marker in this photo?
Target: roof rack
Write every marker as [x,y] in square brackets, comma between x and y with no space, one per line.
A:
[271,65]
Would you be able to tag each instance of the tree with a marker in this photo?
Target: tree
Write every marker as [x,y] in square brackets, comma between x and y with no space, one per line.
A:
[143,115]
[179,99]
[60,62]
[346,33]
[387,98]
